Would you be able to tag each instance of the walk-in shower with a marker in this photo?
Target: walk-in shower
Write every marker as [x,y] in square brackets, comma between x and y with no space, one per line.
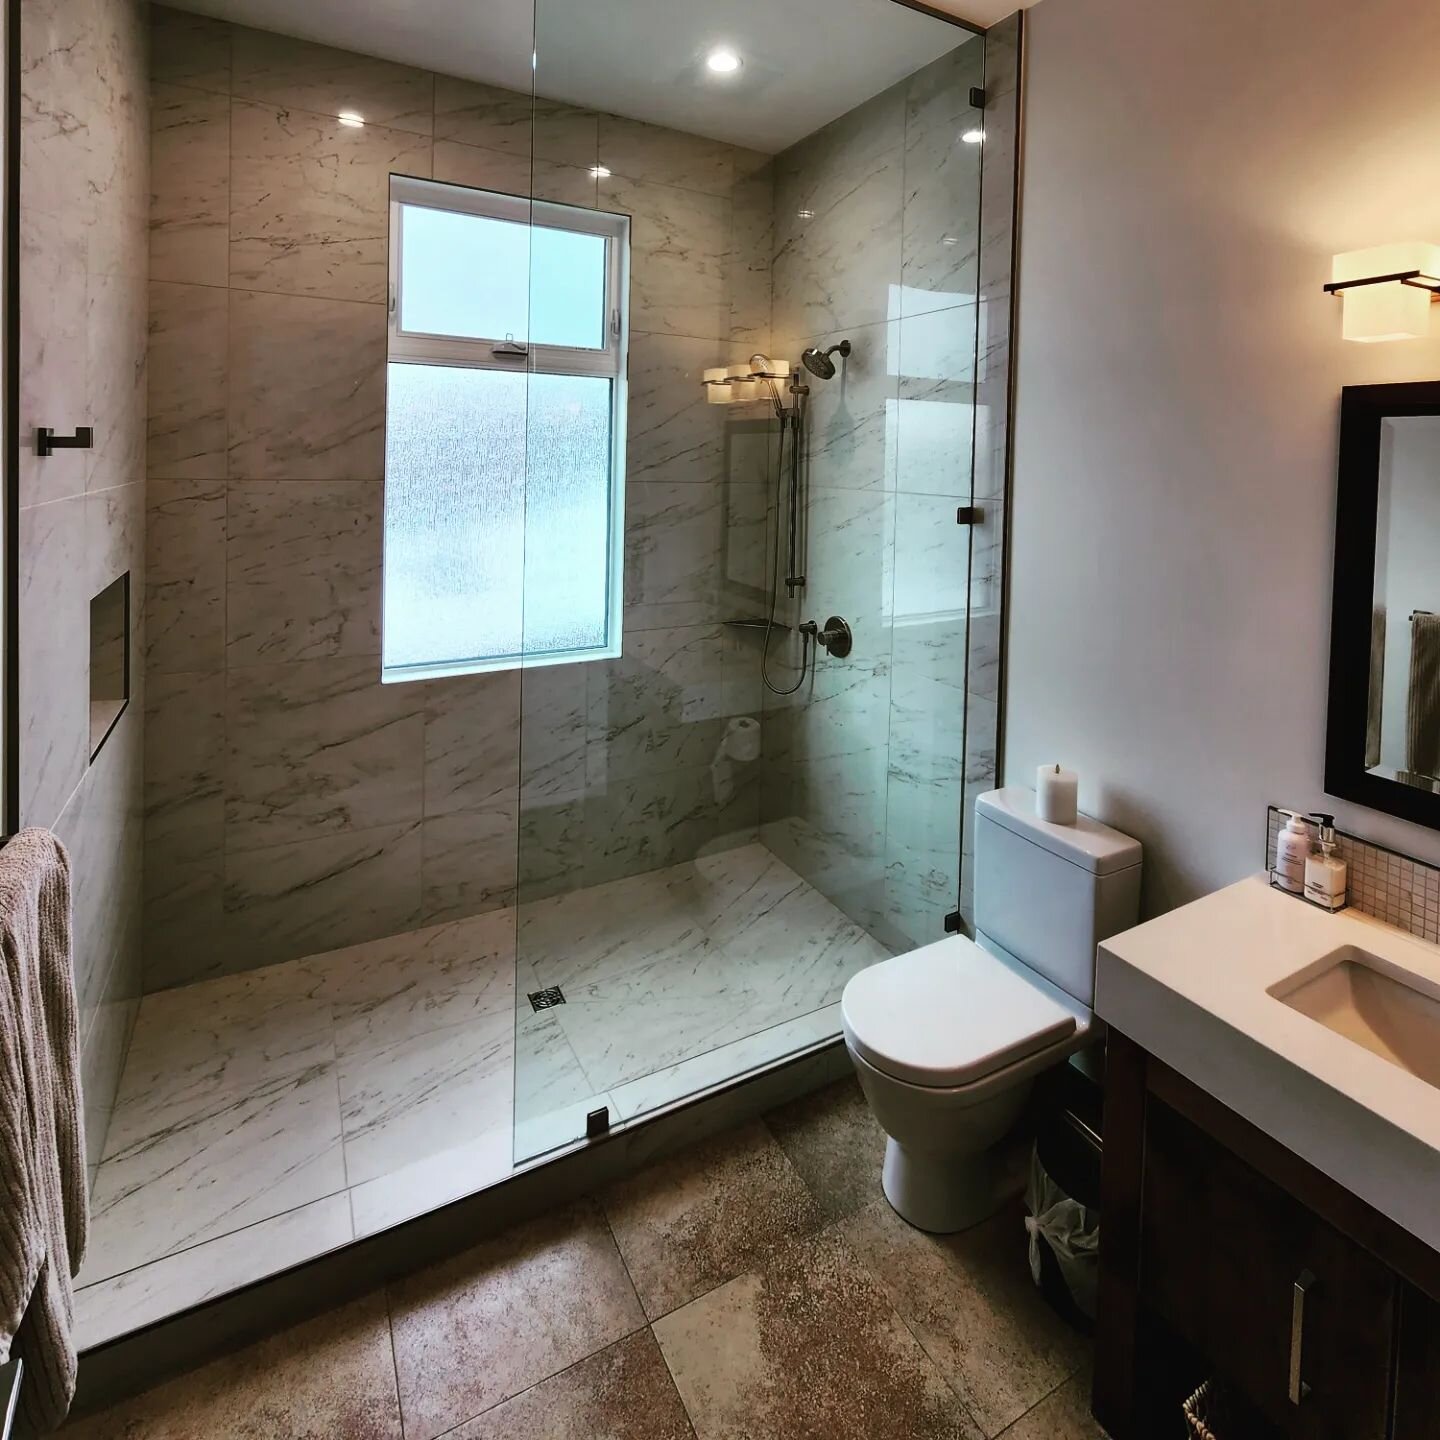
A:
[529,743]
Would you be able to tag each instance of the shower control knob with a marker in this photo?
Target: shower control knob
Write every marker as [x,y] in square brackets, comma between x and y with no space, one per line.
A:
[835,637]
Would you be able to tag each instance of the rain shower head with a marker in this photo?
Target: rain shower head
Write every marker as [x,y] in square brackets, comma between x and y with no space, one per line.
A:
[819,363]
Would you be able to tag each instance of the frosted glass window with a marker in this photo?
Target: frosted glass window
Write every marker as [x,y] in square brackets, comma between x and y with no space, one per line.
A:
[497,515]
[471,275]
[504,463]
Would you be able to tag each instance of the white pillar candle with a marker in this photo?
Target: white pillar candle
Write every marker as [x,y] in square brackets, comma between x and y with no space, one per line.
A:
[1057,795]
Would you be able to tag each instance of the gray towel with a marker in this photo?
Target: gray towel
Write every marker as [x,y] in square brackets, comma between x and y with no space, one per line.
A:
[1377,687]
[43,1204]
[1422,719]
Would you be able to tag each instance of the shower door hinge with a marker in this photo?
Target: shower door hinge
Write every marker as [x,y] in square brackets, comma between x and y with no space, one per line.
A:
[977,98]
[952,923]
[597,1123]
[970,515]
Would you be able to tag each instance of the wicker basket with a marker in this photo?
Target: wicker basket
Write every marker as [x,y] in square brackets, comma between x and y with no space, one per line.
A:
[1207,1414]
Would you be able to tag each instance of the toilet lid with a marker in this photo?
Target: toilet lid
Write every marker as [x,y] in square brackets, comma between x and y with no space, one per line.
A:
[949,1014]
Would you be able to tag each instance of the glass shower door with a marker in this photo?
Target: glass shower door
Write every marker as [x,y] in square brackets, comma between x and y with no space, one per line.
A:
[703,859]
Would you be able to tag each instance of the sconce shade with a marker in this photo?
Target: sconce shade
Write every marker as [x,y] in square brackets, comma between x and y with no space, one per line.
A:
[1387,290]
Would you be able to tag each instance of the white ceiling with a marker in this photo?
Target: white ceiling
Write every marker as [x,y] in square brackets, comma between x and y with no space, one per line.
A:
[805,61]
[981,12]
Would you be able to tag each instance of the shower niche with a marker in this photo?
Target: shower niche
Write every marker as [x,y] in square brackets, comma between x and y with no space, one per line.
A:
[109,660]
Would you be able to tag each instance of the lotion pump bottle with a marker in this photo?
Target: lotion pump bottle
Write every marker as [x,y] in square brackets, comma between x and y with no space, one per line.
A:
[1292,850]
[1326,875]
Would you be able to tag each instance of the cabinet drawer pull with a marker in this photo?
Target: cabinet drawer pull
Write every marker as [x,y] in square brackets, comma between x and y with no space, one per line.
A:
[1298,1388]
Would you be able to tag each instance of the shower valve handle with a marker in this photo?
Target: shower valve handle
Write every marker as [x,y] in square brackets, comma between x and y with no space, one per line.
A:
[836,637]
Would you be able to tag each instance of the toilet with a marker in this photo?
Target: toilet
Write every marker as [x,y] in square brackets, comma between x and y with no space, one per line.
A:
[947,1040]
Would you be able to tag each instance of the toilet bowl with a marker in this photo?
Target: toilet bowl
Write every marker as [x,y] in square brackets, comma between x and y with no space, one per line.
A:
[947,1040]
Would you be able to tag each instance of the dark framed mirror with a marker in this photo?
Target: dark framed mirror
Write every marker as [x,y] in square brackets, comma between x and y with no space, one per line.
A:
[1382,745]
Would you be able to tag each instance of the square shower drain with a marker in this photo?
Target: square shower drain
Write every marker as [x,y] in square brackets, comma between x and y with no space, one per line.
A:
[544,999]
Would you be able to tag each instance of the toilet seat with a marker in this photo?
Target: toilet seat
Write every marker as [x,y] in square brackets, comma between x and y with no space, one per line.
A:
[951,1014]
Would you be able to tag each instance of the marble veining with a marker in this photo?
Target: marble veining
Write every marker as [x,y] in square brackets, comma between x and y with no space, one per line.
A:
[268,1115]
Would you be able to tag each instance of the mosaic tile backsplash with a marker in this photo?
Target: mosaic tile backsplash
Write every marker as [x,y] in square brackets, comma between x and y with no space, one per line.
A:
[1389,886]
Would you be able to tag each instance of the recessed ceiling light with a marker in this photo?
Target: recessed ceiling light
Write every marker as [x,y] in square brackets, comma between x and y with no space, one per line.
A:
[350,118]
[804,214]
[973,137]
[949,239]
[600,172]
[722,61]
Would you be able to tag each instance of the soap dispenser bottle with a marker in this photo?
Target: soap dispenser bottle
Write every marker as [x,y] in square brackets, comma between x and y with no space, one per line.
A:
[1326,875]
[1292,850]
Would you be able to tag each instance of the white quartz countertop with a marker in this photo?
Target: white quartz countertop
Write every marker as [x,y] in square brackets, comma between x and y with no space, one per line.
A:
[1190,987]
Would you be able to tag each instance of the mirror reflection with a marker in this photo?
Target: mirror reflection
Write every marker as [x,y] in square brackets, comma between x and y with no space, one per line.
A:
[1403,725]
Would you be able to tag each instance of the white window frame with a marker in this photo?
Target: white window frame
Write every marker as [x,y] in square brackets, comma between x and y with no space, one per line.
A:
[504,353]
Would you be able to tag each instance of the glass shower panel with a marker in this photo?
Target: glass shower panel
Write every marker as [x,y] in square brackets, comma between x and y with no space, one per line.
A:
[721,823]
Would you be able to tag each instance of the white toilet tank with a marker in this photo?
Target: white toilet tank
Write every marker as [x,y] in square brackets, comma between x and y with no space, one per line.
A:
[1049,894]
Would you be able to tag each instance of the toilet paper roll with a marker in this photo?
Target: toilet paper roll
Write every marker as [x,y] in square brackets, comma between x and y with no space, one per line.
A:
[742,739]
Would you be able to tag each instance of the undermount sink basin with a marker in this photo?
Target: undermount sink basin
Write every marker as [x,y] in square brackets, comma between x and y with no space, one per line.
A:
[1392,1012]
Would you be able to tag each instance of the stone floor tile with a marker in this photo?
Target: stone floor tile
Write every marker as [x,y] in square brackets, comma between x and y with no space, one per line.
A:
[835,1143]
[808,1348]
[519,1307]
[695,1220]
[331,1376]
[623,1393]
[970,1302]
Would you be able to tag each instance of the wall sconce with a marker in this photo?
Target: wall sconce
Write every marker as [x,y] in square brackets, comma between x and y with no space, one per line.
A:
[1387,290]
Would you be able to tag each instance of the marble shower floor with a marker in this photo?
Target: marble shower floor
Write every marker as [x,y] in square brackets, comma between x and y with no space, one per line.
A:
[267,1117]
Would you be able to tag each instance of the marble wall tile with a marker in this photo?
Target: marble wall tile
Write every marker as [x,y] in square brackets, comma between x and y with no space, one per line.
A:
[472,741]
[184,757]
[673,433]
[116,335]
[469,860]
[190,185]
[319,747]
[302,570]
[307,388]
[942,181]
[63,102]
[937,396]
[279,70]
[54,311]
[513,173]
[54,648]
[309,207]
[851,557]
[748,265]
[103,1043]
[295,899]
[932,559]
[679,246]
[852,431]
[666,157]
[552,731]
[188,49]
[186,428]
[497,119]
[184,575]
[101,826]
[187,937]
[839,201]
[690,552]
[663,705]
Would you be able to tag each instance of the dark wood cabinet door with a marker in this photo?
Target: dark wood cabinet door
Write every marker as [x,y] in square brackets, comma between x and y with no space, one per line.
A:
[1290,1311]
[1417,1379]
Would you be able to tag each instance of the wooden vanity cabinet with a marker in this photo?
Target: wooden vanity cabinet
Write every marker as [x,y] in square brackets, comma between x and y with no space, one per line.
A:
[1224,1255]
